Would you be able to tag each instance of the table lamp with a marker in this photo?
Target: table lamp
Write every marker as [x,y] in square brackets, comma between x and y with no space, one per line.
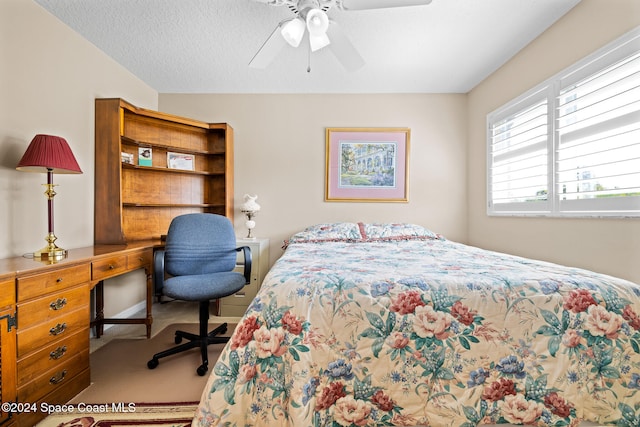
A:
[50,154]
[250,208]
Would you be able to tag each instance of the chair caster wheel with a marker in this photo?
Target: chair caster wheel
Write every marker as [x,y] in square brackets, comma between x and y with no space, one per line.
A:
[202,369]
[153,363]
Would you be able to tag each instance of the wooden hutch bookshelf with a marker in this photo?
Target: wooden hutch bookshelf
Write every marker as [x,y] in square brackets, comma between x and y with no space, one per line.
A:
[190,170]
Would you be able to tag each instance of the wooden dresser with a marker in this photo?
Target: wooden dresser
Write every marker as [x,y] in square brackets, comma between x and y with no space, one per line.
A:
[45,318]
[7,343]
[53,336]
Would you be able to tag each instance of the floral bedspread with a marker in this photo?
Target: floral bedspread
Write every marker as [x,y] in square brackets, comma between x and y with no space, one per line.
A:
[381,325]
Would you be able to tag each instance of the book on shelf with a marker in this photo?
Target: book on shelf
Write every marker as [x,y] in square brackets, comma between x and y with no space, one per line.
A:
[145,156]
[127,158]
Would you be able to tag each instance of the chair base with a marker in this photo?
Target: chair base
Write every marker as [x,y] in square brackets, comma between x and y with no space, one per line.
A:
[201,340]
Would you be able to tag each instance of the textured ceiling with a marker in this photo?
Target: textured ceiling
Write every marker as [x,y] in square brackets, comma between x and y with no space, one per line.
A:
[204,46]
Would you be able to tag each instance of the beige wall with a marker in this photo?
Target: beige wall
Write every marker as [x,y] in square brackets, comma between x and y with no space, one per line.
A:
[610,246]
[49,78]
[280,155]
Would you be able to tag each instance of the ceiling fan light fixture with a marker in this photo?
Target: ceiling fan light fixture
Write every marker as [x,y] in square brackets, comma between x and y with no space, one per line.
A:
[312,14]
[317,22]
[293,31]
[319,41]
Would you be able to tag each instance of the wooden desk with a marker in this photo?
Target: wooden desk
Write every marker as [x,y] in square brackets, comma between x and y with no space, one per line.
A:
[45,321]
[108,263]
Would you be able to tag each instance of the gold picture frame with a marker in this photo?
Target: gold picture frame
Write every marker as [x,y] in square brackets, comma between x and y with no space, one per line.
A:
[367,164]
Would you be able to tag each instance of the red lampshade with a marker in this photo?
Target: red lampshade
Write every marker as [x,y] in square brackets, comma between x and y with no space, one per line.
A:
[48,152]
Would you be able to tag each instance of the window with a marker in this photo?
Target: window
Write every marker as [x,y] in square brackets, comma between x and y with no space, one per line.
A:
[571,146]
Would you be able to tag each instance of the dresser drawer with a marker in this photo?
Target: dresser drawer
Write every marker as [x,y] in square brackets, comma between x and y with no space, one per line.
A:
[7,292]
[140,259]
[59,396]
[108,267]
[244,296]
[52,306]
[53,379]
[41,284]
[52,356]
[46,333]
[228,310]
[236,304]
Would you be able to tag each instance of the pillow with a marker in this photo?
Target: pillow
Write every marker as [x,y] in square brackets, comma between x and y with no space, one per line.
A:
[361,232]
[328,232]
[384,231]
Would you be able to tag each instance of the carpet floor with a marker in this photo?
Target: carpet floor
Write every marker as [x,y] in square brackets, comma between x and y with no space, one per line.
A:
[119,370]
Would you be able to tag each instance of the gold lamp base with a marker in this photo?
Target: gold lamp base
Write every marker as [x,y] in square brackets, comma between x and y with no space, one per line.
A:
[50,251]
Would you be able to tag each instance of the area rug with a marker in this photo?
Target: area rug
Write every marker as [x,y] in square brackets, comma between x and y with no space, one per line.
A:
[119,370]
[119,415]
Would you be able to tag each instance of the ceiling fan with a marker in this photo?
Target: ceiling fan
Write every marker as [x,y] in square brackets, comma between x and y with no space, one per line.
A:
[311,17]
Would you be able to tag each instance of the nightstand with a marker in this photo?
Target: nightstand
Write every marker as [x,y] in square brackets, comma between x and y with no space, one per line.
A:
[236,305]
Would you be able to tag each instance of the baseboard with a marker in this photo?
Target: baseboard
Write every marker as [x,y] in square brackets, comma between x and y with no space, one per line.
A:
[129,312]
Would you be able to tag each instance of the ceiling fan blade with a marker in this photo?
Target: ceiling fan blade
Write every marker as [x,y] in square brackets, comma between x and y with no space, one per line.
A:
[343,49]
[269,50]
[380,4]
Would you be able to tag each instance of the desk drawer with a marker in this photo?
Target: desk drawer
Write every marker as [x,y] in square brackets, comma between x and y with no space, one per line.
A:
[53,379]
[49,332]
[108,267]
[41,284]
[7,292]
[140,259]
[52,306]
[52,356]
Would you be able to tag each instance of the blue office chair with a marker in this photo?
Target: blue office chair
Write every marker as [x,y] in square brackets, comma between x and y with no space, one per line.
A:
[198,259]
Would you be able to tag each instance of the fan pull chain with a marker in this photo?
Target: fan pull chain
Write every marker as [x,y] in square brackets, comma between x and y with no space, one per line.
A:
[309,58]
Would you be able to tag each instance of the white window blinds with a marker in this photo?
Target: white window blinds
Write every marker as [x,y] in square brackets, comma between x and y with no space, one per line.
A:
[519,155]
[599,135]
[571,146]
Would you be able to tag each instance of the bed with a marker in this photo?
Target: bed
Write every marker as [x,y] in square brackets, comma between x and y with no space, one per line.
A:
[392,325]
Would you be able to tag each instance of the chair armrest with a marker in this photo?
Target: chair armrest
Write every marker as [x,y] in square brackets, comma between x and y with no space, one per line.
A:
[158,271]
[247,262]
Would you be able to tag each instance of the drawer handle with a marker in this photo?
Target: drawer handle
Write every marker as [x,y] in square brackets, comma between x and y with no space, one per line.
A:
[58,353]
[111,266]
[57,378]
[59,280]
[58,329]
[58,304]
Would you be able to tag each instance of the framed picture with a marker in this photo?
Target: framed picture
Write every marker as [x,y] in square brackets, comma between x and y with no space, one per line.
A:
[180,161]
[367,164]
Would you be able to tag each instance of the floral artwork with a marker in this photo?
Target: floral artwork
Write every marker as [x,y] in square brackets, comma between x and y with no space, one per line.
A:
[397,327]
